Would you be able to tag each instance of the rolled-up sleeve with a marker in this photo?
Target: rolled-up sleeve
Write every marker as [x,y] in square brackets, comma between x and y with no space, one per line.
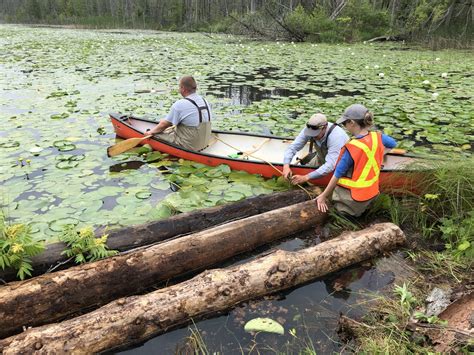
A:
[388,141]
[335,144]
[298,144]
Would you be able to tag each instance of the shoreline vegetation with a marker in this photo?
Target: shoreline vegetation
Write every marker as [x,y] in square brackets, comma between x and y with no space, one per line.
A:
[433,23]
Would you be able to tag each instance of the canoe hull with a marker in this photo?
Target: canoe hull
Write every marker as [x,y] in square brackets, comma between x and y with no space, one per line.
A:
[390,180]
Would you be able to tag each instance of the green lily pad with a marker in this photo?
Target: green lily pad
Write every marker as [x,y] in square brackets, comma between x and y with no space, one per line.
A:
[59,116]
[161,185]
[12,144]
[143,195]
[64,145]
[67,164]
[59,224]
[266,325]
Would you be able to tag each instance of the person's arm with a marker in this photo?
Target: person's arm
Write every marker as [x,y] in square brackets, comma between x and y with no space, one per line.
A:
[160,127]
[335,144]
[291,151]
[341,170]
[388,141]
[322,200]
[171,119]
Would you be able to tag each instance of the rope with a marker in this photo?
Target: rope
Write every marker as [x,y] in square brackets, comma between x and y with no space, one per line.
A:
[265,161]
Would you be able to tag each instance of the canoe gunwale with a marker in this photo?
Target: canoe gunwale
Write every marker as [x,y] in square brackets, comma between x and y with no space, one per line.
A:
[121,118]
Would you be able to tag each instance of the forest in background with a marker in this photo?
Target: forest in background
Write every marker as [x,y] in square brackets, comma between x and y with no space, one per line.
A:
[449,22]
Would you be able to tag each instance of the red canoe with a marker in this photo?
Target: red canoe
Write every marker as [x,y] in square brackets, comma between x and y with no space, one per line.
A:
[260,154]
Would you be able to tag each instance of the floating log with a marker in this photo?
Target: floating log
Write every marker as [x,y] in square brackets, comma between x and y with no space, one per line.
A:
[131,237]
[133,319]
[53,296]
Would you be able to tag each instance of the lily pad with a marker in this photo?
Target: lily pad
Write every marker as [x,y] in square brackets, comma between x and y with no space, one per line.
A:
[11,144]
[266,325]
[143,195]
[64,145]
[59,224]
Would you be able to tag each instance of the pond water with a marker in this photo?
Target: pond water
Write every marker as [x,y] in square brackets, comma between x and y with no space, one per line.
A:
[57,87]
[310,312]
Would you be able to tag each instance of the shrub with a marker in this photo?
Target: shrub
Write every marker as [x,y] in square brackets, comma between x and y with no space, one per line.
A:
[84,246]
[16,247]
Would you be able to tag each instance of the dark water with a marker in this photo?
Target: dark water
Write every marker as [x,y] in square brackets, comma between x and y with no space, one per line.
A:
[311,310]
[245,89]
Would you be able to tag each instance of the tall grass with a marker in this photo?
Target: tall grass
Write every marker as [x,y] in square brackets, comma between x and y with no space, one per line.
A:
[444,210]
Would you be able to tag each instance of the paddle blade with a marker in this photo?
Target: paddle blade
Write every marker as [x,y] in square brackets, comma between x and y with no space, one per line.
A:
[398,151]
[123,146]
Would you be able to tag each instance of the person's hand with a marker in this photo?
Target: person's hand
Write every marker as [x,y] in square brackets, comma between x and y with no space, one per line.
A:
[287,172]
[322,203]
[299,179]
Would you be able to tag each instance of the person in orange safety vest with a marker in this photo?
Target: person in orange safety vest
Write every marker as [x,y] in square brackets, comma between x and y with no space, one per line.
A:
[356,178]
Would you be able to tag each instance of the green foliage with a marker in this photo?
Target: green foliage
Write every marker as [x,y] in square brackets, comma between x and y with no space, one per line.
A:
[83,245]
[16,247]
[444,209]
[407,300]
[459,234]
[311,21]
[358,21]
[361,21]
[429,319]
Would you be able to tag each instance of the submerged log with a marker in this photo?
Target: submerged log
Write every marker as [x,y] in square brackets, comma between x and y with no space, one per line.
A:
[134,319]
[53,296]
[131,237]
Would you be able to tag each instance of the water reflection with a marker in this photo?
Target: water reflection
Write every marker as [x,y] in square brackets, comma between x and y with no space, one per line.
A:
[129,165]
[244,89]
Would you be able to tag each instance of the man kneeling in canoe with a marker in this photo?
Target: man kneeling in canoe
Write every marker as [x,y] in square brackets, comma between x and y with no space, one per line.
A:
[188,124]
[326,139]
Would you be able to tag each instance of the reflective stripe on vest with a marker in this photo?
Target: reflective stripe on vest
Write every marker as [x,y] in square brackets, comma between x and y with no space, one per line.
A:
[361,187]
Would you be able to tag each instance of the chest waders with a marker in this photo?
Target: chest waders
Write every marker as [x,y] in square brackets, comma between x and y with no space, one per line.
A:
[195,138]
[318,156]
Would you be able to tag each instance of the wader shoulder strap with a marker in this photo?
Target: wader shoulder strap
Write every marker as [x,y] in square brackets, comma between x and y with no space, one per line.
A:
[325,143]
[200,108]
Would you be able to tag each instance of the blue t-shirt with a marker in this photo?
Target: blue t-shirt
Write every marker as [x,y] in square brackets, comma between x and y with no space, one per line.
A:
[347,162]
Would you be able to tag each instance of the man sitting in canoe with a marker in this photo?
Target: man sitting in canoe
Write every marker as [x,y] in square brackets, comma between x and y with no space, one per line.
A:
[326,139]
[188,124]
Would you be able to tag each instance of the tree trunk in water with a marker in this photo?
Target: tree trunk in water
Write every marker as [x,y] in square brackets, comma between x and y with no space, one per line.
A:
[135,236]
[134,319]
[53,296]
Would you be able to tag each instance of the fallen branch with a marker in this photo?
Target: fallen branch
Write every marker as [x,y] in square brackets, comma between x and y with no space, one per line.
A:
[53,296]
[134,319]
[135,236]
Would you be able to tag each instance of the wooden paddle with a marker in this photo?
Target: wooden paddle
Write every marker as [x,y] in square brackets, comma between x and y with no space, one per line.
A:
[397,151]
[125,145]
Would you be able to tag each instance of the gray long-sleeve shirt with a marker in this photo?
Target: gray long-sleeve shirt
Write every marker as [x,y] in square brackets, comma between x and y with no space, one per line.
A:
[335,142]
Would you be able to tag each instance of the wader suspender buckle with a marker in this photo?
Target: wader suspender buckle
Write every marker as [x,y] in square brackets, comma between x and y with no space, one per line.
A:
[200,108]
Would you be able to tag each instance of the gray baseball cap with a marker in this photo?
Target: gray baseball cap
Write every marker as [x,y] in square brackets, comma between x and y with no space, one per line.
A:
[353,112]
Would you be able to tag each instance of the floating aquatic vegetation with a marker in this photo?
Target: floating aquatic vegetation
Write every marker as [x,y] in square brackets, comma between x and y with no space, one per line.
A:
[57,86]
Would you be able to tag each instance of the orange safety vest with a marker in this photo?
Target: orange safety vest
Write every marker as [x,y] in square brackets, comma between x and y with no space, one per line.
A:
[367,153]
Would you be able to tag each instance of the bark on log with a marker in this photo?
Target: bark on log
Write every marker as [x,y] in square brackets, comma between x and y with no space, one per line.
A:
[134,319]
[131,237]
[53,296]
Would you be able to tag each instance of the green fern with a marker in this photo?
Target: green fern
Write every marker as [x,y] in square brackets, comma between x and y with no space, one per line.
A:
[17,247]
[84,246]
